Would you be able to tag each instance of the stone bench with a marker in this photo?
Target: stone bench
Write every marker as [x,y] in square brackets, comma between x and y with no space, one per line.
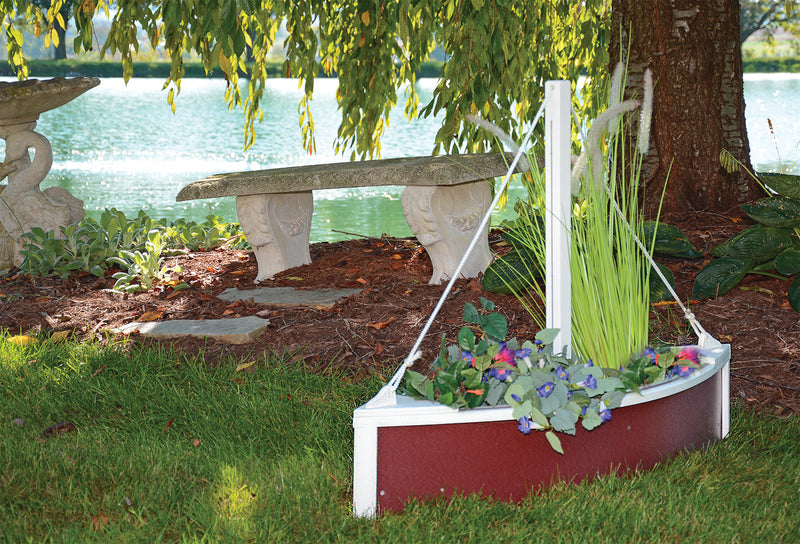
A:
[444,200]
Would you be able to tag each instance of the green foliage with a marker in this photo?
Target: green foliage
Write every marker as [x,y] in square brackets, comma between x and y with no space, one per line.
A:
[720,276]
[135,244]
[499,54]
[774,211]
[784,184]
[514,272]
[770,246]
[757,242]
[547,391]
[667,240]
[659,291]
[143,270]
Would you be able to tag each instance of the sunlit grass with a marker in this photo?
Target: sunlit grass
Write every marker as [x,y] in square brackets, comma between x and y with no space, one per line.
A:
[170,449]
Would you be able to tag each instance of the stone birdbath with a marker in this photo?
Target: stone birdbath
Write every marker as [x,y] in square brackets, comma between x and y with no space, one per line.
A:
[23,205]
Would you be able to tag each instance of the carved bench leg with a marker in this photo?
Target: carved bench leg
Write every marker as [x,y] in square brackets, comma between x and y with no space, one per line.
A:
[444,220]
[278,227]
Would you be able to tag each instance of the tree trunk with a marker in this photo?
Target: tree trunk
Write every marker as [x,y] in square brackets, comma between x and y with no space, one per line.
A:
[60,52]
[692,48]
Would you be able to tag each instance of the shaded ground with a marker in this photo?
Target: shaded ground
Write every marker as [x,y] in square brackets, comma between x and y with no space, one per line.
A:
[371,333]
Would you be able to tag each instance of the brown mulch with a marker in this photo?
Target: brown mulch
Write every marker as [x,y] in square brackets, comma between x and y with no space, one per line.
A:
[370,333]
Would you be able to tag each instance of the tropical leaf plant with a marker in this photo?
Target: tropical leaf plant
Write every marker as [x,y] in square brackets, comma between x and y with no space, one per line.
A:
[771,247]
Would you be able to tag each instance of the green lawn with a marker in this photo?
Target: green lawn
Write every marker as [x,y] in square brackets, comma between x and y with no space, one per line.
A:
[167,449]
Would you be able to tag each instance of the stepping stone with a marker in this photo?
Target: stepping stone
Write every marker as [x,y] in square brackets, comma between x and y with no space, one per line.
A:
[289,296]
[232,331]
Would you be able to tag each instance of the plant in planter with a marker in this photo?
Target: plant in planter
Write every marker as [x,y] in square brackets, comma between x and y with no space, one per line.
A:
[414,445]
[547,391]
[770,248]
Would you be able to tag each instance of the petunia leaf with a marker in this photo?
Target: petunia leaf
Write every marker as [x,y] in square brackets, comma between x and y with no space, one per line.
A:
[522,410]
[555,443]
[539,418]
[564,421]
[591,420]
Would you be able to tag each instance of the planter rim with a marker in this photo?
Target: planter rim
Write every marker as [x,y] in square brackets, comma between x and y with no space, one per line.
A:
[411,411]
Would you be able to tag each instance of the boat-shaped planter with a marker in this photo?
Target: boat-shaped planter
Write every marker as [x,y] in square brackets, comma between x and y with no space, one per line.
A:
[421,449]
[407,448]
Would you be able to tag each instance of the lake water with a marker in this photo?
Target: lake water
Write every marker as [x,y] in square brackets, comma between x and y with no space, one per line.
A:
[121,146]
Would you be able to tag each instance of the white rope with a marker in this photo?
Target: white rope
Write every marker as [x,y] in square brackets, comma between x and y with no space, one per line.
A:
[386,396]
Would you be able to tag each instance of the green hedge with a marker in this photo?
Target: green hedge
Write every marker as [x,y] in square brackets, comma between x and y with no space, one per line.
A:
[72,67]
[40,68]
[772,64]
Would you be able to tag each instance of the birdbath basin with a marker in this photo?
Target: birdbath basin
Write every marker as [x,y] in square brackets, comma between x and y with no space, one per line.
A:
[23,205]
[23,101]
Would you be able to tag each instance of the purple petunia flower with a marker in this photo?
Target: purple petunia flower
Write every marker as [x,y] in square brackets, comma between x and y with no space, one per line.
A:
[604,412]
[546,389]
[516,397]
[524,425]
[681,371]
[561,373]
[590,382]
[589,363]
[501,374]
[650,352]
[466,355]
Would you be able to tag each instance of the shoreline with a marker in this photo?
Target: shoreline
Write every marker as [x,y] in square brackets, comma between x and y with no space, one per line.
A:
[91,68]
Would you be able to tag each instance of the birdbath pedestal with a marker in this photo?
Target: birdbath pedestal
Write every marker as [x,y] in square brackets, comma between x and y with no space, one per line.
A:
[23,205]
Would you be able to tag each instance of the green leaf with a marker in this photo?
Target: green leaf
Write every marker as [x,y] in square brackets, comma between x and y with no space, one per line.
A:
[788,262]
[659,291]
[547,336]
[522,409]
[668,240]
[466,339]
[496,392]
[775,211]
[794,294]
[514,389]
[564,421]
[719,276]
[758,243]
[784,184]
[471,314]
[495,326]
[591,420]
[487,304]
[539,418]
[512,273]
[555,443]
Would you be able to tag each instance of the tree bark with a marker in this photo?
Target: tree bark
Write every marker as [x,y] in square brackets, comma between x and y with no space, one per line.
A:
[692,48]
[60,52]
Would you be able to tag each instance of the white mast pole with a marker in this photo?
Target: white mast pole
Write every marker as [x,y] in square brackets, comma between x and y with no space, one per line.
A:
[558,212]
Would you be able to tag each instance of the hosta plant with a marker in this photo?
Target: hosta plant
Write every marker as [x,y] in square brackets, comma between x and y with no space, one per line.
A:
[771,247]
[143,270]
[547,391]
[90,245]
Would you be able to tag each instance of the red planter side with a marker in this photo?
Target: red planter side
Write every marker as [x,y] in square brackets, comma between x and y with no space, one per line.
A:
[439,460]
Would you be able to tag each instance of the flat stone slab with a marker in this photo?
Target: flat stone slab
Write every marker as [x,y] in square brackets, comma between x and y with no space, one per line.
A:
[428,171]
[237,330]
[289,296]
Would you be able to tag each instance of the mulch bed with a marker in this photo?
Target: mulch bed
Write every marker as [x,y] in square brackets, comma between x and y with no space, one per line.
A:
[371,333]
